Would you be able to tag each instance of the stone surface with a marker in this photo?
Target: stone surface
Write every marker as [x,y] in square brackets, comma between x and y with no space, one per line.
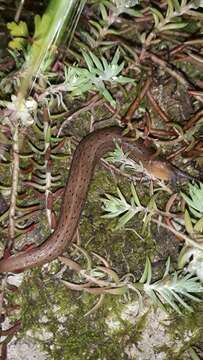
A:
[25,349]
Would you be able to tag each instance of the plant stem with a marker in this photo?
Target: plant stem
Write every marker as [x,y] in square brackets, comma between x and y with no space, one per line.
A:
[179,234]
[14,189]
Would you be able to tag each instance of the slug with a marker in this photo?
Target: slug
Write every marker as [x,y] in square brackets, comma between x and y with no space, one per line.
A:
[87,153]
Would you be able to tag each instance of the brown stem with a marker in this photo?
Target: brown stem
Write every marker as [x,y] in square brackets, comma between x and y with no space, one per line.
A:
[134,106]
[12,330]
[157,108]
[15,172]
[190,123]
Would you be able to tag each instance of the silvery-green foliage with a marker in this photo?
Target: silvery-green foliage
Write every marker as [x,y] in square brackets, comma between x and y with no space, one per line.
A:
[120,158]
[126,210]
[194,258]
[119,206]
[173,18]
[193,255]
[195,199]
[172,289]
[79,80]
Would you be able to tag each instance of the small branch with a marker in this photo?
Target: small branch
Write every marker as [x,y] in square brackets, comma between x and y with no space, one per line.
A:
[3,287]
[179,235]
[47,150]
[14,189]
[167,67]
[96,100]
[136,103]
[19,11]
[193,120]
[12,330]
[157,108]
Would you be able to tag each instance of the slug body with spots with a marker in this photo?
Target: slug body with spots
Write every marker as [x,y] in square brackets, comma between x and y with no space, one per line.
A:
[87,153]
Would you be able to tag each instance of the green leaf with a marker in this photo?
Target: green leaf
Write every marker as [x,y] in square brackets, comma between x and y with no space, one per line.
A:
[103,12]
[170,9]
[59,156]
[177,5]
[133,12]
[4,187]
[48,135]
[108,97]
[147,274]
[174,26]
[35,148]
[97,26]
[193,354]
[195,200]
[168,262]
[158,17]
[135,196]
[17,44]
[125,218]
[116,57]
[88,60]
[96,61]
[199,225]
[19,29]
[188,223]
[124,80]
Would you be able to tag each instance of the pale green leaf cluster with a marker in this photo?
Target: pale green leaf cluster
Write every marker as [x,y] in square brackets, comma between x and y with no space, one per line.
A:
[99,70]
[118,206]
[110,10]
[172,20]
[120,158]
[193,255]
[194,258]
[172,288]
[195,199]
[19,33]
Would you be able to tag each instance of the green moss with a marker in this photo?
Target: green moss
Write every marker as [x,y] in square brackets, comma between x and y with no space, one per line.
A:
[48,307]
[73,336]
[125,250]
[186,329]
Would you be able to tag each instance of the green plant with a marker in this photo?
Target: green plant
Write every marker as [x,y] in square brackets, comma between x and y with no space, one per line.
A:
[171,288]
[49,30]
[99,71]
[121,158]
[100,280]
[19,32]
[120,207]
[80,80]
[192,257]
[173,18]
[101,26]
[195,199]
[194,225]
[155,42]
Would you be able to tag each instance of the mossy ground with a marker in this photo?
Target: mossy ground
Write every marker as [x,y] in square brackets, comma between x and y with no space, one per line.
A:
[55,316]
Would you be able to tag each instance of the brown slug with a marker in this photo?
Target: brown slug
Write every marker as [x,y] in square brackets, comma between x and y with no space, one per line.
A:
[87,153]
